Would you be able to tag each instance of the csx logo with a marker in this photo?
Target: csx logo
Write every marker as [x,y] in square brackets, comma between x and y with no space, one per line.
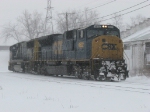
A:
[81,44]
[109,46]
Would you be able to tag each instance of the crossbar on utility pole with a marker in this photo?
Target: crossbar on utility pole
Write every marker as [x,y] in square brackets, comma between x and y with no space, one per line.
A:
[66,16]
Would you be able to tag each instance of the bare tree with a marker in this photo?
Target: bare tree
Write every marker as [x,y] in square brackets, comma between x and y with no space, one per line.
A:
[11,31]
[32,25]
[90,17]
[76,19]
[137,19]
[118,21]
[29,26]
[61,23]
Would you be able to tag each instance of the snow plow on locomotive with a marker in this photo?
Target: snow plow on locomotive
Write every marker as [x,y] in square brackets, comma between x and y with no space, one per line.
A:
[95,52]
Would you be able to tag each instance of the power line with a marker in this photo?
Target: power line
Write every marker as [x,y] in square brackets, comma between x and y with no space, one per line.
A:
[127,12]
[124,9]
[118,11]
[115,13]
[87,10]
[120,14]
[89,3]
[101,5]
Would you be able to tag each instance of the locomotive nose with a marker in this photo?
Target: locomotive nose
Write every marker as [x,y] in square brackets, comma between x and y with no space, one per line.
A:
[107,47]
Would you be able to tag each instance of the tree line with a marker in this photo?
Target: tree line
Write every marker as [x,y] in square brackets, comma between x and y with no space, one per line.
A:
[30,25]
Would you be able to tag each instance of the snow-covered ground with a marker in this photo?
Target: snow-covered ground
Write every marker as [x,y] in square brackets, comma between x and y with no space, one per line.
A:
[4,58]
[35,93]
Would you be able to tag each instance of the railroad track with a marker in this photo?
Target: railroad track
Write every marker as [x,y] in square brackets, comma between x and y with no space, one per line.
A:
[137,83]
[73,81]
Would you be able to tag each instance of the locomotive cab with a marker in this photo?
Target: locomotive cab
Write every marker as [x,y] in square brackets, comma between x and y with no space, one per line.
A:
[106,52]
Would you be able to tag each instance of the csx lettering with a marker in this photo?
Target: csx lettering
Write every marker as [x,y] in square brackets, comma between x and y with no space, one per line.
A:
[109,46]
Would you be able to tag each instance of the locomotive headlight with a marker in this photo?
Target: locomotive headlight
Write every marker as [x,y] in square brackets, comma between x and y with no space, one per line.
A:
[104,26]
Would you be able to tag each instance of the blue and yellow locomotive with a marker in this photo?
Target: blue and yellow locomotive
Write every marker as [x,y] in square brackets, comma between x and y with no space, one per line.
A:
[95,52]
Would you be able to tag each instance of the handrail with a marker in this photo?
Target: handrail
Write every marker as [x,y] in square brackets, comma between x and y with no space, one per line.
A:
[128,59]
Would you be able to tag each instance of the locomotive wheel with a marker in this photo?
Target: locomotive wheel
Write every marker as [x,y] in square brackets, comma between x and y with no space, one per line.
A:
[88,77]
[26,69]
[79,76]
[123,77]
[119,77]
[38,70]
[95,77]
[85,77]
[102,78]
[43,71]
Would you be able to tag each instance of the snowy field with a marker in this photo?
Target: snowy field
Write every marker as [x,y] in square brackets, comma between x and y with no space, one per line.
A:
[30,93]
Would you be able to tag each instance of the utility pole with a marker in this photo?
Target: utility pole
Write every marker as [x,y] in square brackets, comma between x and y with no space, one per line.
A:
[49,15]
[86,10]
[66,16]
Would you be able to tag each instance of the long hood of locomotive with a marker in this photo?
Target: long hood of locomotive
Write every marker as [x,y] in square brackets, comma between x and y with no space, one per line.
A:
[107,48]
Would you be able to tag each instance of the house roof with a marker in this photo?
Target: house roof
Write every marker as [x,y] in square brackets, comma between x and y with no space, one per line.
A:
[138,36]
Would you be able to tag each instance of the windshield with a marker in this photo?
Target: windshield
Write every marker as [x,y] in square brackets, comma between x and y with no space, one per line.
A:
[92,33]
[113,33]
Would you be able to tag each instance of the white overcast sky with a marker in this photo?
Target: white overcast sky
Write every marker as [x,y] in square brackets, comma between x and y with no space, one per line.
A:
[11,9]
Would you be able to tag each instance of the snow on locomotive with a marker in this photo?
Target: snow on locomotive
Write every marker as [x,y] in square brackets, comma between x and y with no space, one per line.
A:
[95,52]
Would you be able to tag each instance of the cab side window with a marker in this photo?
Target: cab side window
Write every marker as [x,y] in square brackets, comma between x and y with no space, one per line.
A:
[69,35]
[81,34]
[75,35]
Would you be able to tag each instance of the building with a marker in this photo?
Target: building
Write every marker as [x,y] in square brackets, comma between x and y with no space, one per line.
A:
[130,31]
[4,47]
[137,50]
